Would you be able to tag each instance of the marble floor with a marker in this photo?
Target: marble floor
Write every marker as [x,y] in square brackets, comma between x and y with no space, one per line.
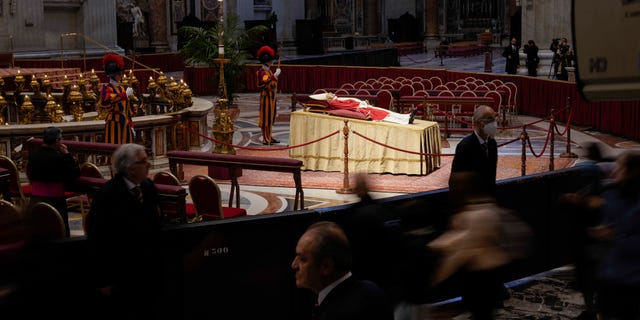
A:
[546,296]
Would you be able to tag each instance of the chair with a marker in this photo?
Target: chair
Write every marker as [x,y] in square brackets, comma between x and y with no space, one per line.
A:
[19,194]
[497,103]
[436,81]
[385,99]
[89,169]
[451,85]
[512,105]
[166,177]
[341,92]
[9,216]
[347,85]
[207,200]
[426,83]
[405,91]
[46,221]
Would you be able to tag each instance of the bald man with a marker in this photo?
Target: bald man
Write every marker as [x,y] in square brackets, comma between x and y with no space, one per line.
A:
[478,151]
[323,265]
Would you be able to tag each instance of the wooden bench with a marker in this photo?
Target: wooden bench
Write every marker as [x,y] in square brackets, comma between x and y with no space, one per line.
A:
[234,162]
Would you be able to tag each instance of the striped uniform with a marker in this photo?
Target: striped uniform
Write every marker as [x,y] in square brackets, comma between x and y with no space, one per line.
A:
[118,124]
[267,83]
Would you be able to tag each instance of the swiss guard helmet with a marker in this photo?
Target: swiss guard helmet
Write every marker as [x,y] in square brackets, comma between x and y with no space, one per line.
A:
[266,54]
[113,64]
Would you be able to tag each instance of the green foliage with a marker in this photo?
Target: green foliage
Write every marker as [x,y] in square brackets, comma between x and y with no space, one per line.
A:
[201,47]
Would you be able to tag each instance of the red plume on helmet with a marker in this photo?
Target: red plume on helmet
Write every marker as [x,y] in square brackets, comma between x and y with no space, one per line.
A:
[265,54]
[113,64]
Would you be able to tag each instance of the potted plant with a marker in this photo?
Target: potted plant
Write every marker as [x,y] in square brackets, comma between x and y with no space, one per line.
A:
[201,47]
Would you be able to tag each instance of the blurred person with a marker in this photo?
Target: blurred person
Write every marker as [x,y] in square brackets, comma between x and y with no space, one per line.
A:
[323,265]
[511,52]
[478,151]
[124,236]
[379,253]
[531,50]
[619,271]
[50,169]
[474,247]
[268,86]
[114,101]
[582,207]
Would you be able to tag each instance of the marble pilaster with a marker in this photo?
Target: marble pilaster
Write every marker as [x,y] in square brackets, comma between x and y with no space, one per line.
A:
[371,17]
[158,20]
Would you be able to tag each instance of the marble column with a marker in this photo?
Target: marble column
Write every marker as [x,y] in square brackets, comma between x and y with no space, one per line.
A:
[158,20]
[431,38]
[431,17]
[371,17]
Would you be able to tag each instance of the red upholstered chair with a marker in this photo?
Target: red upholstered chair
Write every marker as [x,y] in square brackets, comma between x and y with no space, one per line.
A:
[166,177]
[426,83]
[20,194]
[385,99]
[435,81]
[207,199]
[46,221]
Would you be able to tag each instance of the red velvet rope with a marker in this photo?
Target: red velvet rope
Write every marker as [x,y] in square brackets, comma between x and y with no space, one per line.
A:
[545,143]
[568,123]
[262,149]
[398,149]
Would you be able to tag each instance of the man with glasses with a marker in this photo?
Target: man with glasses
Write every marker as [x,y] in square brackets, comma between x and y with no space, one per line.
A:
[478,151]
[124,236]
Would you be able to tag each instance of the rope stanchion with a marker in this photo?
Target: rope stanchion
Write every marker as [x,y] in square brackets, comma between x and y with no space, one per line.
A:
[524,137]
[345,181]
[568,153]
[552,125]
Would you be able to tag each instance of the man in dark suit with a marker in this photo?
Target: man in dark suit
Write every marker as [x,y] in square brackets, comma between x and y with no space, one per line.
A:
[478,151]
[511,52]
[50,169]
[124,236]
[322,265]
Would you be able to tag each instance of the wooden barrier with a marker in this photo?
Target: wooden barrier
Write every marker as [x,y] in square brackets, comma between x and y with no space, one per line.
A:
[234,162]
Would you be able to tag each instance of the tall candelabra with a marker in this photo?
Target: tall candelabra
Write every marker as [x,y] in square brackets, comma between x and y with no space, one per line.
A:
[223,125]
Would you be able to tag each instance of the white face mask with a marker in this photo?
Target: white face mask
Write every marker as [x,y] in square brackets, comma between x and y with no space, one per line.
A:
[491,128]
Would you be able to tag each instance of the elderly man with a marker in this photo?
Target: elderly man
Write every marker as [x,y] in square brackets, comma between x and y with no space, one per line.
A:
[322,265]
[124,236]
[478,151]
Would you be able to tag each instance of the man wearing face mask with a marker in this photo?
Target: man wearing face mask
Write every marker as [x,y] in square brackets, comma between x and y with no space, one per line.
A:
[478,152]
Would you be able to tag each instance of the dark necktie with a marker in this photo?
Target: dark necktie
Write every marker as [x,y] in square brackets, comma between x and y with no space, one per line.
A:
[485,148]
[137,193]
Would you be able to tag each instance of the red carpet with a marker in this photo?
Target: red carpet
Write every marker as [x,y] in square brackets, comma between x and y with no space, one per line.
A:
[508,167]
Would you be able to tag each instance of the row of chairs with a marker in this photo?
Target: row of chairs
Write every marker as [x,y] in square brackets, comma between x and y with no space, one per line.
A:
[507,109]
[41,221]
[205,193]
